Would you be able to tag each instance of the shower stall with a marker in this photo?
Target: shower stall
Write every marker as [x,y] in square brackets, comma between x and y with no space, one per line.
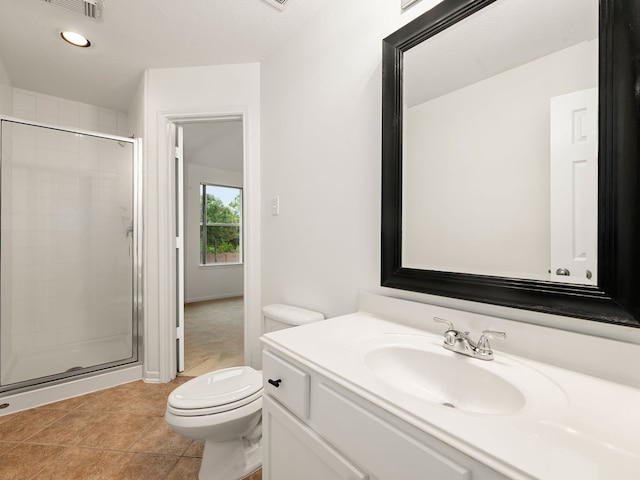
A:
[69,254]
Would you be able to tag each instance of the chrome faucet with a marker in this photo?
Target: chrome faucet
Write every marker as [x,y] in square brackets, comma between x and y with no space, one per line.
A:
[459,342]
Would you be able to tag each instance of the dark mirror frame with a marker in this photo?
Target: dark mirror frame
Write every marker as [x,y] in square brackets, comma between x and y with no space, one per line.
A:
[616,299]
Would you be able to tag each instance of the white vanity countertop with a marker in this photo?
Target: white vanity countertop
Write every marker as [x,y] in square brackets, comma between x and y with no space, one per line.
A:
[583,428]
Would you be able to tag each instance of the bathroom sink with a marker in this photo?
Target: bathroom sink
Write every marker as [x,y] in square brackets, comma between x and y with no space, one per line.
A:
[425,370]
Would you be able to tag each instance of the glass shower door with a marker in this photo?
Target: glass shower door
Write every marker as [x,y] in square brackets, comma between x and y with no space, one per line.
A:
[68,253]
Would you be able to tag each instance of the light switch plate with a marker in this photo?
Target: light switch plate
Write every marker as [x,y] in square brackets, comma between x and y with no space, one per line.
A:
[275,205]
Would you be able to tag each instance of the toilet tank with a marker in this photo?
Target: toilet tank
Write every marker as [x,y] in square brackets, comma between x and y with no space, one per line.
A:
[279,316]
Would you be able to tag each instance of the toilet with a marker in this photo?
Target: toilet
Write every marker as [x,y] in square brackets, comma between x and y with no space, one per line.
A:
[224,407]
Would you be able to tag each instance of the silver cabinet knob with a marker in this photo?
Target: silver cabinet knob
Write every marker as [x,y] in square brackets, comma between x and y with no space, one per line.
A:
[563,271]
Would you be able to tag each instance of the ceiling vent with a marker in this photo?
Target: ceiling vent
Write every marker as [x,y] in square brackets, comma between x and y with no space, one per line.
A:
[280,4]
[88,8]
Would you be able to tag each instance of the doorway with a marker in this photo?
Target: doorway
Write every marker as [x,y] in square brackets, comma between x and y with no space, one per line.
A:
[210,271]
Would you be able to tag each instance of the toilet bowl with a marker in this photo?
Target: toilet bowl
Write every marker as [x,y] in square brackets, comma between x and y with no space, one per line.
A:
[224,408]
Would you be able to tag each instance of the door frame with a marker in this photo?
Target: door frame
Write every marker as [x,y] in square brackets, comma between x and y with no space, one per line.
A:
[177,132]
[166,255]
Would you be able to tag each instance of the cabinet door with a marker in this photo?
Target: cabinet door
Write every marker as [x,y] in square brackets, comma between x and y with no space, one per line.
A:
[292,451]
[387,452]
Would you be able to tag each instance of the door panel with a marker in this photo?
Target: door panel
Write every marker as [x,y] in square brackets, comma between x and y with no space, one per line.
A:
[574,178]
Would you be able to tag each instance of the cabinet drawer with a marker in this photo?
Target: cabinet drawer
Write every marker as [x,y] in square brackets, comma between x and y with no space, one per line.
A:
[289,385]
[388,453]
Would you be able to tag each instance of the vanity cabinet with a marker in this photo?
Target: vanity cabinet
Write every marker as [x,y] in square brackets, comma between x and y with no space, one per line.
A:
[314,428]
[292,450]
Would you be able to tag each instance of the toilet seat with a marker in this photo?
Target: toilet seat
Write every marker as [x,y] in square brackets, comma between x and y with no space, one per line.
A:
[217,391]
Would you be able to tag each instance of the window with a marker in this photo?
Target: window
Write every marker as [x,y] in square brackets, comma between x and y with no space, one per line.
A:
[220,224]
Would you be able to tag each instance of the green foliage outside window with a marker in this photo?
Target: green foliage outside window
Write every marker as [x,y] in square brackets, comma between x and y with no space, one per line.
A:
[222,227]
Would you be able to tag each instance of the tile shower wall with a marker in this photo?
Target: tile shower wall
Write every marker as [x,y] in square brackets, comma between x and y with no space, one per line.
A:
[42,108]
[42,203]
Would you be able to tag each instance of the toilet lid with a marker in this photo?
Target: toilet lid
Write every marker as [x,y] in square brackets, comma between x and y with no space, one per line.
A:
[217,388]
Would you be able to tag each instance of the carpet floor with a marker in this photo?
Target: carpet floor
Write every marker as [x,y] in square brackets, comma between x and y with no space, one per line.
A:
[214,335]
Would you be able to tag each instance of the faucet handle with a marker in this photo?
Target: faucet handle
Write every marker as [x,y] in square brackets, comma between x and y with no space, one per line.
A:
[483,346]
[451,335]
[442,320]
[493,334]
[451,327]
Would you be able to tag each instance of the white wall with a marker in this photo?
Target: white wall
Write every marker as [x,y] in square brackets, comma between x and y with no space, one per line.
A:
[321,154]
[6,92]
[213,281]
[175,94]
[468,150]
[137,109]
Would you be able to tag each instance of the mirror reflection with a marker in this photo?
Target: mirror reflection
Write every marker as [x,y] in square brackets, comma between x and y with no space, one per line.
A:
[500,151]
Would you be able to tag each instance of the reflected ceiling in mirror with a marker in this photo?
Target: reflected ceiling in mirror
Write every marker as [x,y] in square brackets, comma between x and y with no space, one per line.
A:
[500,144]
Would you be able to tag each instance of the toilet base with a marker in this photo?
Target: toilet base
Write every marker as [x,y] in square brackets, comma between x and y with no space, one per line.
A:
[231,460]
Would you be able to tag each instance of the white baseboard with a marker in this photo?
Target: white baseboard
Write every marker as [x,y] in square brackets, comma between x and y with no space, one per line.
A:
[213,297]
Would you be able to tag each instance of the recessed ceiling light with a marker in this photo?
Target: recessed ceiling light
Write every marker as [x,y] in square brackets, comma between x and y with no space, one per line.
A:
[76,39]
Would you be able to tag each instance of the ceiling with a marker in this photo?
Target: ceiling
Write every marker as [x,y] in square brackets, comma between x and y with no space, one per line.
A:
[135,35]
[502,36]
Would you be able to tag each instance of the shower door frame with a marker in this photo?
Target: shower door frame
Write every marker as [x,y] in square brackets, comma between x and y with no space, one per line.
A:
[137,313]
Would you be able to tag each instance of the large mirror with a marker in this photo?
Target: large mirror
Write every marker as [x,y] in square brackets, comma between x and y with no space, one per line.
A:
[510,166]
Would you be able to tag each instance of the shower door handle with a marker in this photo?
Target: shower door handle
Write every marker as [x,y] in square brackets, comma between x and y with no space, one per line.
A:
[129,233]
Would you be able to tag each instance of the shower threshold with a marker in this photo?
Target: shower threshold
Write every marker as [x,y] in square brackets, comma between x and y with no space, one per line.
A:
[34,364]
